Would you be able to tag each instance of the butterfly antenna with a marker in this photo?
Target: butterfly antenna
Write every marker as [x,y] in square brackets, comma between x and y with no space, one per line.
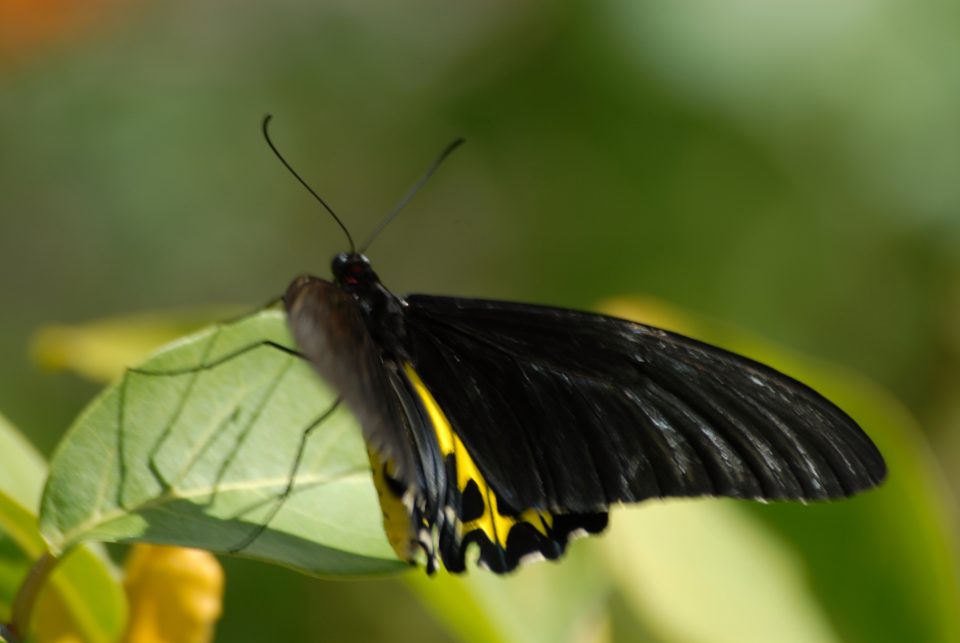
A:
[413,191]
[266,135]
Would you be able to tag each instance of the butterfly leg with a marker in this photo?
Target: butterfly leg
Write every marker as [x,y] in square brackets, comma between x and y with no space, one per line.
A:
[291,480]
[193,372]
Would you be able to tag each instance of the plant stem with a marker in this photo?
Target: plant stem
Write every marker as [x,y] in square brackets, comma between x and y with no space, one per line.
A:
[27,594]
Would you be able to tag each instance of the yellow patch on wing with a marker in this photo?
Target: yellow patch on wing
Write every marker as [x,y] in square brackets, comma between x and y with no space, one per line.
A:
[491,522]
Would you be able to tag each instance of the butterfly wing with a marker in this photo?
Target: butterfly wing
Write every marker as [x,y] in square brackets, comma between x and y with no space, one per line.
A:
[568,412]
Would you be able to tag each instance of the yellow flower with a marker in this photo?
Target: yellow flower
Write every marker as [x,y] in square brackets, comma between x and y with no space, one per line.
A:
[174,595]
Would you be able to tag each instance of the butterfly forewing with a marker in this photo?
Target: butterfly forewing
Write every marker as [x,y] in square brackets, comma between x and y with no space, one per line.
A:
[571,411]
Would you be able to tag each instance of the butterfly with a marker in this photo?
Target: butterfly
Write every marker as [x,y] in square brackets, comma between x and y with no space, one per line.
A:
[514,427]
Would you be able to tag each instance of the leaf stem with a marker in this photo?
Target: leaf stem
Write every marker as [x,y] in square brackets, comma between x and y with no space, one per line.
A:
[27,594]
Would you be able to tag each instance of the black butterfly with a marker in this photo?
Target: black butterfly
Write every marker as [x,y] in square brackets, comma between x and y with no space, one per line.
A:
[516,426]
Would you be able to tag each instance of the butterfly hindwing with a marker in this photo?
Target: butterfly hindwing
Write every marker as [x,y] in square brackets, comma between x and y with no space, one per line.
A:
[471,511]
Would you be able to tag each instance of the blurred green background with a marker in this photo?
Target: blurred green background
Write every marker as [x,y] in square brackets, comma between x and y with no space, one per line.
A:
[790,169]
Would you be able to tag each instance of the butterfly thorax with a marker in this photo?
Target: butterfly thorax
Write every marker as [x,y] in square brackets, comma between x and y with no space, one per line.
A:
[382,310]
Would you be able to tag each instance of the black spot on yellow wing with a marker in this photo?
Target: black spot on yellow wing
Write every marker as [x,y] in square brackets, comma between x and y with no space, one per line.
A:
[472,505]
[471,511]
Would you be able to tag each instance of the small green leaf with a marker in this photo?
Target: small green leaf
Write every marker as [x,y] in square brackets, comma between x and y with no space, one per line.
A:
[100,350]
[194,447]
[23,470]
[82,597]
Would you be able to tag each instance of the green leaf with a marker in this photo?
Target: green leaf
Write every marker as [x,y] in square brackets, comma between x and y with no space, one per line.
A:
[883,566]
[183,455]
[20,545]
[702,571]
[82,596]
[708,571]
[23,470]
[100,350]
[885,563]
[563,602]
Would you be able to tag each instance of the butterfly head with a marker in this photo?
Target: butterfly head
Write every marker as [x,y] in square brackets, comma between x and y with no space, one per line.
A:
[351,269]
